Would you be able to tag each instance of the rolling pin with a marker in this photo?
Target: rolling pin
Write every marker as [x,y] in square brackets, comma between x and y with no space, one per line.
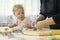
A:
[55,32]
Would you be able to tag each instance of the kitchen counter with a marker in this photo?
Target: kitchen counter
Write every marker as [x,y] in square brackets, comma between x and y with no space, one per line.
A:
[21,36]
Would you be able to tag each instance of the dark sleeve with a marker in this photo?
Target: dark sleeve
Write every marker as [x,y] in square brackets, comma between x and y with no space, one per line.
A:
[56,18]
[43,14]
[48,8]
[42,9]
[56,26]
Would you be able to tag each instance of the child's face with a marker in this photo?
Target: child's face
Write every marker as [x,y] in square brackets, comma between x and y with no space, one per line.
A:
[19,13]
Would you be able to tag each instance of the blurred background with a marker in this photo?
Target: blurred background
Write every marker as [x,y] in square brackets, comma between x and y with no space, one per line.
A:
[31,7]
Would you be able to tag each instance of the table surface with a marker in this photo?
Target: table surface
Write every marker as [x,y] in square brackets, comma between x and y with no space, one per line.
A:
[20,36]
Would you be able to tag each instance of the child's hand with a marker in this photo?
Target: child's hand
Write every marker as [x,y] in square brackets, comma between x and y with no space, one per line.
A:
[28,25]
[12,25]
[32,24]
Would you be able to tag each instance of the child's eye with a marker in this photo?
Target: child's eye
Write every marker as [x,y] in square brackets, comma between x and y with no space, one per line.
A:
[22,12]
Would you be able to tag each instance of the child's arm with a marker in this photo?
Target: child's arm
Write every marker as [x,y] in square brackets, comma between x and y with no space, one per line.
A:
[29,23]
[13,25]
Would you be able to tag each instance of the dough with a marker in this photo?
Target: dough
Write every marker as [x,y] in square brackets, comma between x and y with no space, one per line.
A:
[36,33]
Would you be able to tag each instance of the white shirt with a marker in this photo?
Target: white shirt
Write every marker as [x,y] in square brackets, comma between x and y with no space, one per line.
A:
[26,21]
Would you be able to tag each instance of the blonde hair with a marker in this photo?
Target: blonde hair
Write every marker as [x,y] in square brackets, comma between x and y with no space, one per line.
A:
[18,6]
